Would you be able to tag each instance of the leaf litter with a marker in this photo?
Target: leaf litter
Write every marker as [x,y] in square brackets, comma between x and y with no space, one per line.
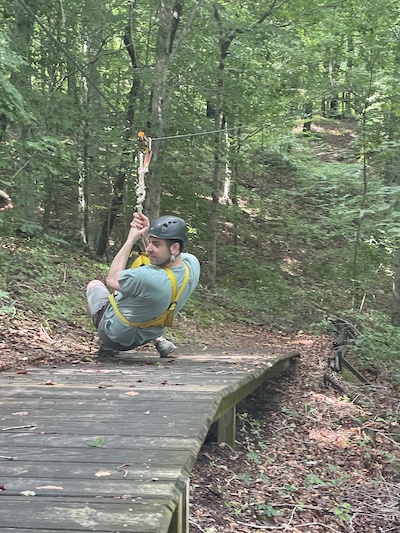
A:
[306,459]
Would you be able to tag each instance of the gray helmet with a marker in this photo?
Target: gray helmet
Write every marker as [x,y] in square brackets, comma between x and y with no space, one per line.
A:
[169,227]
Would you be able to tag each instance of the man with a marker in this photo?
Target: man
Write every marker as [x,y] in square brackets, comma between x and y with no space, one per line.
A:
[5,201]
[143,294]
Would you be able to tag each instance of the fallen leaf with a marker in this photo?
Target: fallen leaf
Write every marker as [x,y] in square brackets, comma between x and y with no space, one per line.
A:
[96,443]
[132,393]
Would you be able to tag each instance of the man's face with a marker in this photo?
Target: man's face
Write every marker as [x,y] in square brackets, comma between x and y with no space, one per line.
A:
[159,251]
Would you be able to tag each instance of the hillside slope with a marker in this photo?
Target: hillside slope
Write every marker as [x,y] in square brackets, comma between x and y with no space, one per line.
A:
[307,459]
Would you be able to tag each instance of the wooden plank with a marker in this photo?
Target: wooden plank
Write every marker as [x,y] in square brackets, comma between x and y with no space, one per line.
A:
[96,486]
[102,515]
[29,440]
[14,419]
[19,530]
[151,440]
[186,394]
[226,428]
[180,518]
[168,428]
[78,471]
[180,405]
[103,456]
[165,381]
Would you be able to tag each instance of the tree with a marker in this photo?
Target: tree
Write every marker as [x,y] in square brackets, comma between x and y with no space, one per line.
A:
[226,38]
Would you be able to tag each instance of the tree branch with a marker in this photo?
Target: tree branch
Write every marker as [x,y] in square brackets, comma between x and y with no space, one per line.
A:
[186,27]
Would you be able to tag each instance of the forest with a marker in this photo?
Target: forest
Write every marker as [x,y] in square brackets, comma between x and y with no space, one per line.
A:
[273,129]
[234,100]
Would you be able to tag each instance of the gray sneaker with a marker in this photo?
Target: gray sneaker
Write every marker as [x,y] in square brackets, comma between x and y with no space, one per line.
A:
[164,347]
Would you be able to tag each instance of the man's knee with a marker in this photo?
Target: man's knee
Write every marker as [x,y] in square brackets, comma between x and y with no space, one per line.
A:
[93,283]
[97,297]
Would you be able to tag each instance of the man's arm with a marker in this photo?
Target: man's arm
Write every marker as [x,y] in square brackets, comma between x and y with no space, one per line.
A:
[119,262]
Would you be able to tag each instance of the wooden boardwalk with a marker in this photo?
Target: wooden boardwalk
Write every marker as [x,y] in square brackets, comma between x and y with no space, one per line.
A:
[110,447]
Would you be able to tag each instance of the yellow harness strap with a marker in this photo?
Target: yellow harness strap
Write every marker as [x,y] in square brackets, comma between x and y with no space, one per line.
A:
[167,317]
[141,259]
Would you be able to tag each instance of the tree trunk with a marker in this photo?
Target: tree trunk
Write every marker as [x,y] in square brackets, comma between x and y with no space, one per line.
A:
[128,152]
[308,117]
[396,290]
[24,27]
[395,317]
[169,17]
[83,177]
[225,41]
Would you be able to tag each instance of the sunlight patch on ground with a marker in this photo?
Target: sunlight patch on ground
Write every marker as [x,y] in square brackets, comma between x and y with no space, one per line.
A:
[340,438]
[334,131]
[324,403]
[292,266]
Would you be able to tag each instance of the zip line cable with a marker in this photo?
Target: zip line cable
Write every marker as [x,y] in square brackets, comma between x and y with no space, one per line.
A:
[100,92]
[190,134]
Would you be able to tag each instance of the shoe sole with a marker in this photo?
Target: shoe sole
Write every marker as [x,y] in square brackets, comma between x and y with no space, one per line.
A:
[166,354]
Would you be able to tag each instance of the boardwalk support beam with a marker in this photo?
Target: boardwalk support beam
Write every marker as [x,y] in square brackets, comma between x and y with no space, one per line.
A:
[226,413]
[226,427]
[180,518]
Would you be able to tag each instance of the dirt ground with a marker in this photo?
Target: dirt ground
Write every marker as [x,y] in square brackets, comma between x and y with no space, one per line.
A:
[307,459]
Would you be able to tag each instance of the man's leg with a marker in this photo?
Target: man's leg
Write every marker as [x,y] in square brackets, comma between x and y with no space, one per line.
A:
[97,301]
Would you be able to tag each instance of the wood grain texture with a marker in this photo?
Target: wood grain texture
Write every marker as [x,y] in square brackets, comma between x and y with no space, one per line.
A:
[110,447]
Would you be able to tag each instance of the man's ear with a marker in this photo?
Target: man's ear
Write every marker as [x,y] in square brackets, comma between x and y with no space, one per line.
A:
[175,248]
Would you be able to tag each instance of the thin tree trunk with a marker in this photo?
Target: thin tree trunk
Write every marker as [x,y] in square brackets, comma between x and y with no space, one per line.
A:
[395,318]
[24,27]
[83,179]
[225,41]
[226,194]
[169,17]
[308,117]
[128,152]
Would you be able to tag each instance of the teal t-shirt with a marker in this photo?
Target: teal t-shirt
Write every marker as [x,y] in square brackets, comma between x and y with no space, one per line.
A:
[145,293]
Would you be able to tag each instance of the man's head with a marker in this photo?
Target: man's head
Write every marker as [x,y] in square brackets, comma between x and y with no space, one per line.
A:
[168,235]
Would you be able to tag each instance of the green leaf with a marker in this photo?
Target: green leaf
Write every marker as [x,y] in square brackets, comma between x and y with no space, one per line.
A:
[96,443]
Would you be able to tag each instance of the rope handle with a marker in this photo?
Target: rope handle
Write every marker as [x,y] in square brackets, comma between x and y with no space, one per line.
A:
[143,146]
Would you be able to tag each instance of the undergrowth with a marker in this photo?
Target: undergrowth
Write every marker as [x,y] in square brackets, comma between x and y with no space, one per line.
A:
[293,251]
